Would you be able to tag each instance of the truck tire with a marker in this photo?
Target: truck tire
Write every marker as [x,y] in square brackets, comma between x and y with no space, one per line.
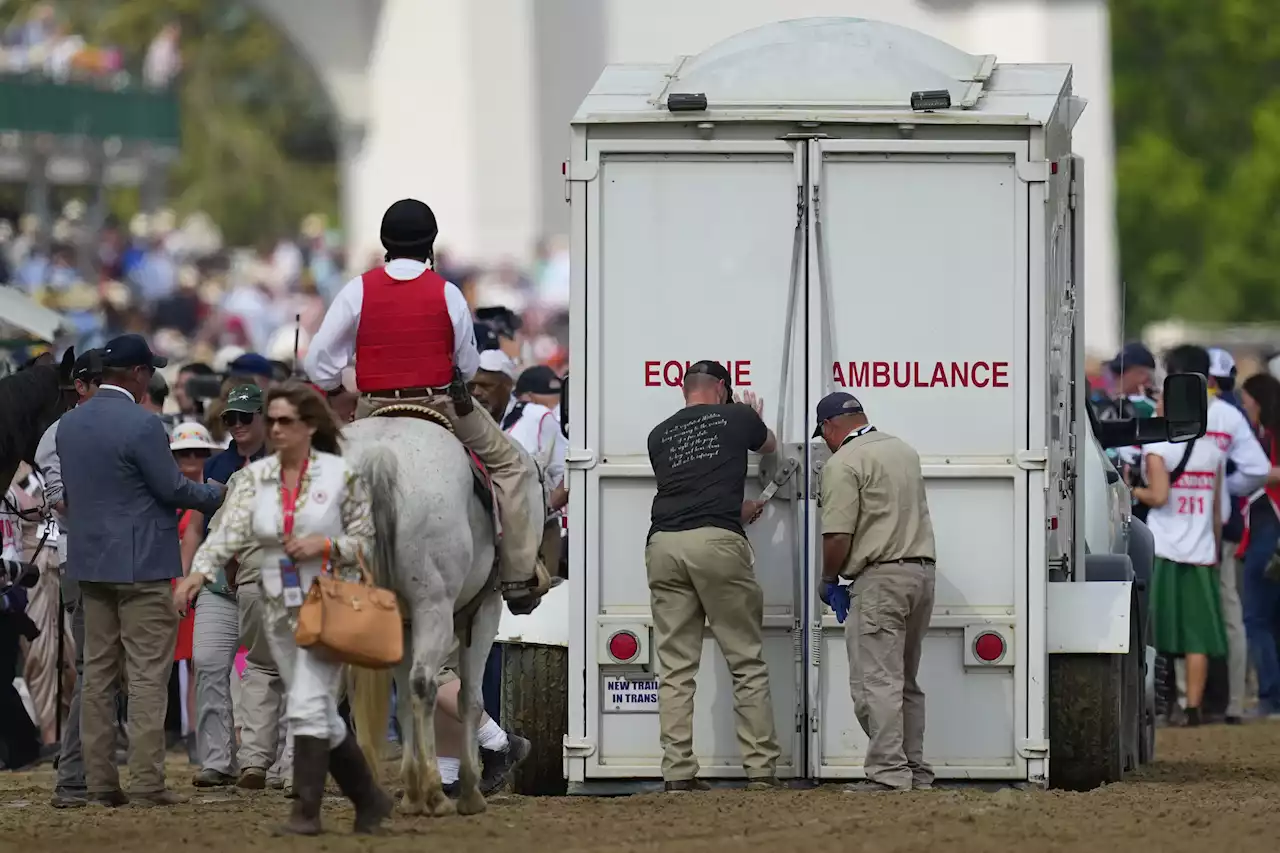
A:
[1086,722]
[535,704]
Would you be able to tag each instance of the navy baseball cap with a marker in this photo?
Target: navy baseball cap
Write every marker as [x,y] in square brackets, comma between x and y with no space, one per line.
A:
[131,351]
[251,364]
[833,406]
[539,379]
[1133,355]
[88,366]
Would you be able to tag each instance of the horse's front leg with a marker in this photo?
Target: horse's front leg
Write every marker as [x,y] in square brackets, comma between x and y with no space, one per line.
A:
[430,788]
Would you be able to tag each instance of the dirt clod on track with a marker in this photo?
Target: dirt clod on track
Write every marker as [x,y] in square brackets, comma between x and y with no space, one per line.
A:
[1214,788]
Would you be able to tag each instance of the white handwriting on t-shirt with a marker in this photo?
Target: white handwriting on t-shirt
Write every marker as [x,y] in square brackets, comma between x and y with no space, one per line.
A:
[694,440]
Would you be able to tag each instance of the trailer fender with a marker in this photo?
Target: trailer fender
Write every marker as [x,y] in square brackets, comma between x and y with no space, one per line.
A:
[1093,616]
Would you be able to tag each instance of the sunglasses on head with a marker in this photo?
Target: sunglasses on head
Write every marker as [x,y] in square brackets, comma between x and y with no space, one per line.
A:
[285,421]
[237,418]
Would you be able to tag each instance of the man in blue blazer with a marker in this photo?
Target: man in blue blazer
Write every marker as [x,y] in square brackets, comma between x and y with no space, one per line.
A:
[124,491]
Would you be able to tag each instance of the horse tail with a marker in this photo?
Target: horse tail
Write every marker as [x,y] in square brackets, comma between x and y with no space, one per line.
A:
[369,691]
[378,466]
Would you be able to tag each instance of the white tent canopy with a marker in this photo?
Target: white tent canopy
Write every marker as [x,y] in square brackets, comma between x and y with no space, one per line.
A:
[19,311]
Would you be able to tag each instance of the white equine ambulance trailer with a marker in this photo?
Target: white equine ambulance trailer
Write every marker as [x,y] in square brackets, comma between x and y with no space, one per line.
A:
[783,203]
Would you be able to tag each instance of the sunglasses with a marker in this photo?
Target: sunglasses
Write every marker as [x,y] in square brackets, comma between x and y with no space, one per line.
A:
[191,454]
[286,421]
[237,418]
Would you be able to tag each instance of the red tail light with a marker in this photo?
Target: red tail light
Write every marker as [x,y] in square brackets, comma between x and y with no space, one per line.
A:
[624,647]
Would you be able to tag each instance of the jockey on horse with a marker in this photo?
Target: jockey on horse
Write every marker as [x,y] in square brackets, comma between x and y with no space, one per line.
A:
[413,341]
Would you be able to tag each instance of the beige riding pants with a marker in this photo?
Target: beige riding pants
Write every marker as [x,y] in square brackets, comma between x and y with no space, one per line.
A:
[706,576]
[884,636]
[521,534]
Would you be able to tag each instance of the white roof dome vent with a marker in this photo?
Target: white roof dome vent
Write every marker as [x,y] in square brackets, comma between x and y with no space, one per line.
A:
[850,63]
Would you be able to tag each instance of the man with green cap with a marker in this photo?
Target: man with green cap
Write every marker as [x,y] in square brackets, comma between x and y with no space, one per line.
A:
[263,691]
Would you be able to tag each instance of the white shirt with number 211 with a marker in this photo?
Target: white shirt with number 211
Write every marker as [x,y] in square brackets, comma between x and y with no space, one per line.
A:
[1183,527]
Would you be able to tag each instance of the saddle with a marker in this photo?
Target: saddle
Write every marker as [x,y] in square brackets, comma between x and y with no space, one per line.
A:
[481,482]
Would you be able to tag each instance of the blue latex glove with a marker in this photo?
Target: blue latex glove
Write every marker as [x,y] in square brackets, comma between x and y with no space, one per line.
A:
[836,597]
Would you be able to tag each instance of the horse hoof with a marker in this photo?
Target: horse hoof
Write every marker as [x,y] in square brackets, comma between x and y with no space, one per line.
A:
[472,803]
[409,807]
[443,807]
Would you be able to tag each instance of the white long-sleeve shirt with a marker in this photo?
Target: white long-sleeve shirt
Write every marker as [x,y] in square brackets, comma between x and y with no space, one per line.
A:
[1229,428]
[334,346]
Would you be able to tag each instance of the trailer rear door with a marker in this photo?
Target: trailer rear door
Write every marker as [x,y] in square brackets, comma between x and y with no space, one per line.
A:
[688,255]
[922,296]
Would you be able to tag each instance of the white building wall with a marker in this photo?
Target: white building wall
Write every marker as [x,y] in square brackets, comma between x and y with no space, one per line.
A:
[469,102]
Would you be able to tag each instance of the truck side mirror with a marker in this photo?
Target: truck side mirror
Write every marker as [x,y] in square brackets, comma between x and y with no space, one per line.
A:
[1186,414]
[1186,406]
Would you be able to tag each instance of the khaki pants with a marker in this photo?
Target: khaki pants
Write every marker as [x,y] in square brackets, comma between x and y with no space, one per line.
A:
[884,636]
[706,575]
[262,696]
[512,480]
[139,619]
[1233,619]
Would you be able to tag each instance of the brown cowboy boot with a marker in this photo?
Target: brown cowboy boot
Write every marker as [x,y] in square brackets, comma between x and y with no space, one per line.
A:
[310,769]
[524,599]
[352,773]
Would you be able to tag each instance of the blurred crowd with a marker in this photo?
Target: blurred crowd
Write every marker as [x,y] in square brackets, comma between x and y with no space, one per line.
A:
[1212,506]
[175,282]
[42,42]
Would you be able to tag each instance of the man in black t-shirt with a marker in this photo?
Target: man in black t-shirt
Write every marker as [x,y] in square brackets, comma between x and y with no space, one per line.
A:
[700,566]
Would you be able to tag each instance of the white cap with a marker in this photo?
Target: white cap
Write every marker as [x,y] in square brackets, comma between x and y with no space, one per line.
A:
[191,436]
[1221,364]
[497,361]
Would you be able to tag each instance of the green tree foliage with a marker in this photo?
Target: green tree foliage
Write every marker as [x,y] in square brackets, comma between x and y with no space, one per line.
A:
[1197,115]
[257,152]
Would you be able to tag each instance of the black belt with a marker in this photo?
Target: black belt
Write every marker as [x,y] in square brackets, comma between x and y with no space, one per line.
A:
[401,393]
[923,561]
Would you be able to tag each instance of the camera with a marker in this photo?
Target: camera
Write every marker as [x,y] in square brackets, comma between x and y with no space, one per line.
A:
[14,573]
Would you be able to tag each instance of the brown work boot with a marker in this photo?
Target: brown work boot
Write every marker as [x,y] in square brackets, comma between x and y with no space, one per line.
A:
[524,599]
[161,798]
[310,769]
[252,779]
[351,772]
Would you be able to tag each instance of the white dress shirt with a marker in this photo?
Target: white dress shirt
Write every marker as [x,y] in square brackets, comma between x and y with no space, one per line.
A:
[334,346]
[538,431]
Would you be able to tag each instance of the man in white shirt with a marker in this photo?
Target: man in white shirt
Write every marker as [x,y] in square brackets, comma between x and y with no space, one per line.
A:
[411,337]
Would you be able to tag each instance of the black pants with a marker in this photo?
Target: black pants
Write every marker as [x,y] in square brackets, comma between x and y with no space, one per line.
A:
[19,736]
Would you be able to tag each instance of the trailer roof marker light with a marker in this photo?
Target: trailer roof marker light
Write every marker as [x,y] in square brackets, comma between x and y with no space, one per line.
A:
[989,647]
[624,646]
[931,99]
[686,102]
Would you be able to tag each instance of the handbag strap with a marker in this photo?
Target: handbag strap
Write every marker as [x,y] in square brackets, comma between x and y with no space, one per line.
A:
[366,576]
[1182,465]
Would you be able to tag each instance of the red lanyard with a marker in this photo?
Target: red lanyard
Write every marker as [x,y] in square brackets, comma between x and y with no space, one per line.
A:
[289,497]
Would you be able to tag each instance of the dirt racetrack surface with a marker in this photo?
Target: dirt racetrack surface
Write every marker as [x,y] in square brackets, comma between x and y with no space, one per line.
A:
[1213,788]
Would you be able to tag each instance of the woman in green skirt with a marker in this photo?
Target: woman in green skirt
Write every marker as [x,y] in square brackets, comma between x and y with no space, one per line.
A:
[1184,492]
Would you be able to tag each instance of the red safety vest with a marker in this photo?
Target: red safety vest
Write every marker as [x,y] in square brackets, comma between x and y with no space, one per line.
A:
[405,335]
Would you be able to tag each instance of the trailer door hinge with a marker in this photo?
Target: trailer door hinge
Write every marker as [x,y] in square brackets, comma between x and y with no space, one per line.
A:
[578,747]
[1033,460]
[1033,171]
[1033,748]
[581,459]
[815,646]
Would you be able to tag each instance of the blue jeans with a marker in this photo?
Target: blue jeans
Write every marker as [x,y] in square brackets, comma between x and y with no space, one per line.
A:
[1261,598]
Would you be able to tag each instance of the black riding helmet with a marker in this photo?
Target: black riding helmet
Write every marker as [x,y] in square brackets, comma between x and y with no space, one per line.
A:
[409,230]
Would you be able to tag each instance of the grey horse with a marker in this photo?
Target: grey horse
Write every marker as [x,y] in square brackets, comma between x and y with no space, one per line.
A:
[435,547]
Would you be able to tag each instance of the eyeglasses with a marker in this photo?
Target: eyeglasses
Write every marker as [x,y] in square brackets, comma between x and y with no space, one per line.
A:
[231,419]
[286,421]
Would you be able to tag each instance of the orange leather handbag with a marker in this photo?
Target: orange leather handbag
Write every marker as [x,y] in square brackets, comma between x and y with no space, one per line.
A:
[355,622]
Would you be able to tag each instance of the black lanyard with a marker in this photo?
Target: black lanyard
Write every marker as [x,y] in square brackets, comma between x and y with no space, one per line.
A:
[857,433]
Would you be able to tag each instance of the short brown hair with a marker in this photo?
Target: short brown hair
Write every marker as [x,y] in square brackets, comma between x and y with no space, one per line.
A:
[314,411]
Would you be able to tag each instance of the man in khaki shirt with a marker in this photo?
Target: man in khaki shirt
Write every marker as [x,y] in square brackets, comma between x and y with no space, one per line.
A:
[876,533]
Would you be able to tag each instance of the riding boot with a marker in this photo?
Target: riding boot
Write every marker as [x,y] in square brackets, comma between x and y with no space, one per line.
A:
[357,782]
[310,769]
